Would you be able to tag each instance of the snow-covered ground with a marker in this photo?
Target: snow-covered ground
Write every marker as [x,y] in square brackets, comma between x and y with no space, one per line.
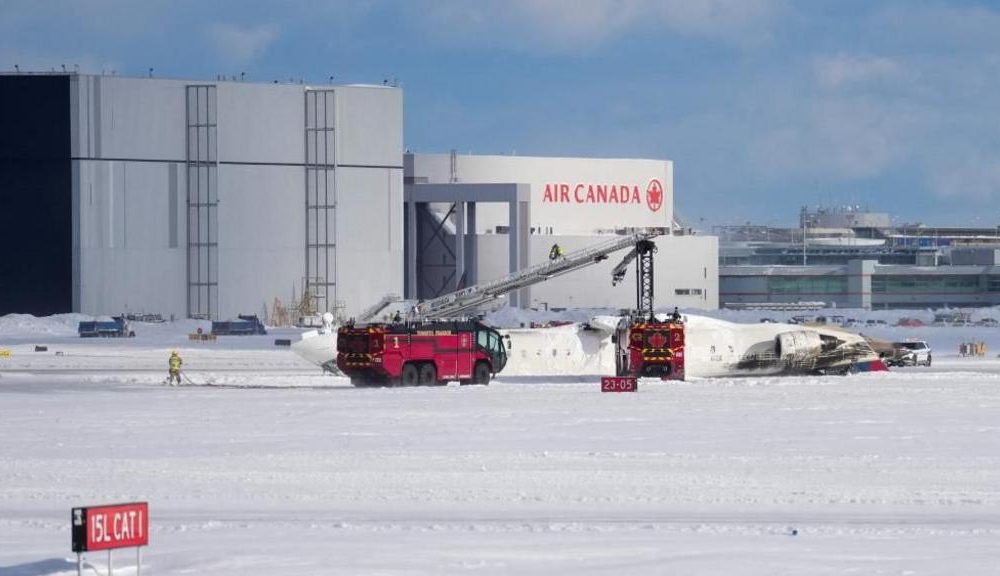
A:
[266,466]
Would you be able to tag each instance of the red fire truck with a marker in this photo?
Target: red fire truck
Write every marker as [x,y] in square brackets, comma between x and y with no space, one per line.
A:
[427,349]
[420,354]
[644,344]
[650,347]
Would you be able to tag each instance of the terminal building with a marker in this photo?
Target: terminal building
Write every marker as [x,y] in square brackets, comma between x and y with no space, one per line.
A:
[212,199]
[850,257]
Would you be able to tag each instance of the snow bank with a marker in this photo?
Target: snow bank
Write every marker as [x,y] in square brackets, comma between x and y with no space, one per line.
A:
[894,473]
[874,473]
[20,325]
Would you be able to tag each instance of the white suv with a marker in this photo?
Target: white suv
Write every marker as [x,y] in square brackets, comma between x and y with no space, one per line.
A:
[912,353]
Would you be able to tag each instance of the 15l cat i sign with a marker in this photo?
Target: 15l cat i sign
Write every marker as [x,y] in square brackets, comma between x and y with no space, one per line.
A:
[113,526]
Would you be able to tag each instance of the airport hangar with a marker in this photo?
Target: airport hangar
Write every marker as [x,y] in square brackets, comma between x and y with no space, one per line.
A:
[212,199]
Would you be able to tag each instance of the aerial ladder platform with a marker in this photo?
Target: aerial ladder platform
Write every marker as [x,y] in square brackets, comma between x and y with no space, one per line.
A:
[642,253]
[454,303]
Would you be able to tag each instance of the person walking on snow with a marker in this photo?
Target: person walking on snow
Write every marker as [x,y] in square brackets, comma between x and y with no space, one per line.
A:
[175,369]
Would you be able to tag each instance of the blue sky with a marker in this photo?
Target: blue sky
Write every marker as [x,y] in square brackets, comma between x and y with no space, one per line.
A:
[763,105]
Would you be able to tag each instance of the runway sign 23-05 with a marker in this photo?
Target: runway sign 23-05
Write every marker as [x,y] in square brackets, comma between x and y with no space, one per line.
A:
[619,384]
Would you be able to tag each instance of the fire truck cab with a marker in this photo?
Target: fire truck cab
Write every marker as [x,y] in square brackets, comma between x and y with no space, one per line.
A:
[650,347]
[420,354]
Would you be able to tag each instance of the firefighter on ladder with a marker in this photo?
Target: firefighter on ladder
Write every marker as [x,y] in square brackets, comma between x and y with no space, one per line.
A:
[175,369]
[556,252]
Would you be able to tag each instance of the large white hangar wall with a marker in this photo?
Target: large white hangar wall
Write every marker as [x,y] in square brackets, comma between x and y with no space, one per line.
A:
[133,118]
[130,191]
[261,237]
[370,264]
[371,128]
[127,144]
[261,124]
[686,273]
[130,251]
[261,183]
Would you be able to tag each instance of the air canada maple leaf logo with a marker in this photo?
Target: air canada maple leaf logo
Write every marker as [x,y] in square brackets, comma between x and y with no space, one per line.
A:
[657,340]
[654,195]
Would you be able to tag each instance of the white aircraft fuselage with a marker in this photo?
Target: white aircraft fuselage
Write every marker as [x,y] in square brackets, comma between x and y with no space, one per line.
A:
[713,348]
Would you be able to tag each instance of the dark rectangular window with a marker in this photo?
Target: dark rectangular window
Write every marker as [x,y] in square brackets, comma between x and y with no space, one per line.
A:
[945,284]
[820,285]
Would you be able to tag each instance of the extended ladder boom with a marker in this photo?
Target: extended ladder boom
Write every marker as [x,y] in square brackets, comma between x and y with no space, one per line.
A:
[643,253]
[378,307]
[451,304]
[618,272]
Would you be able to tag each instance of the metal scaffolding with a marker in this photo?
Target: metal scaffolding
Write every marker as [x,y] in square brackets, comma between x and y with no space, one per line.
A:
[321,198]
[202,202]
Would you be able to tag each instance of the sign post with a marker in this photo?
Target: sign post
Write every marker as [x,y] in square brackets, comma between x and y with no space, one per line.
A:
[109,527]
[619,384]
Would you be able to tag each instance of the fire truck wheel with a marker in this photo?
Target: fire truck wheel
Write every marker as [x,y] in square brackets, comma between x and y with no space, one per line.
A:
[428,374]
[369,381]
[481,373]
[409,376]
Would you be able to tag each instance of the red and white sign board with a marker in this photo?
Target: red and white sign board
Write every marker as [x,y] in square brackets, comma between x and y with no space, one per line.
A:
[108,527]
[619,384]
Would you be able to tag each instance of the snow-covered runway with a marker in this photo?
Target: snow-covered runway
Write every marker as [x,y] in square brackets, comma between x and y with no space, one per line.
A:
[296,473]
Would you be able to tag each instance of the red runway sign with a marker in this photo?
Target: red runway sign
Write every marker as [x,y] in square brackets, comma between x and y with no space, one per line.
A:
[619,384]
[107,527]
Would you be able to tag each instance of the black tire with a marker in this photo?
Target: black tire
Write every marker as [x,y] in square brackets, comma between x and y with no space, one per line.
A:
[481,373]
[363,382]
[428,374]
[928,361]
[410,376]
